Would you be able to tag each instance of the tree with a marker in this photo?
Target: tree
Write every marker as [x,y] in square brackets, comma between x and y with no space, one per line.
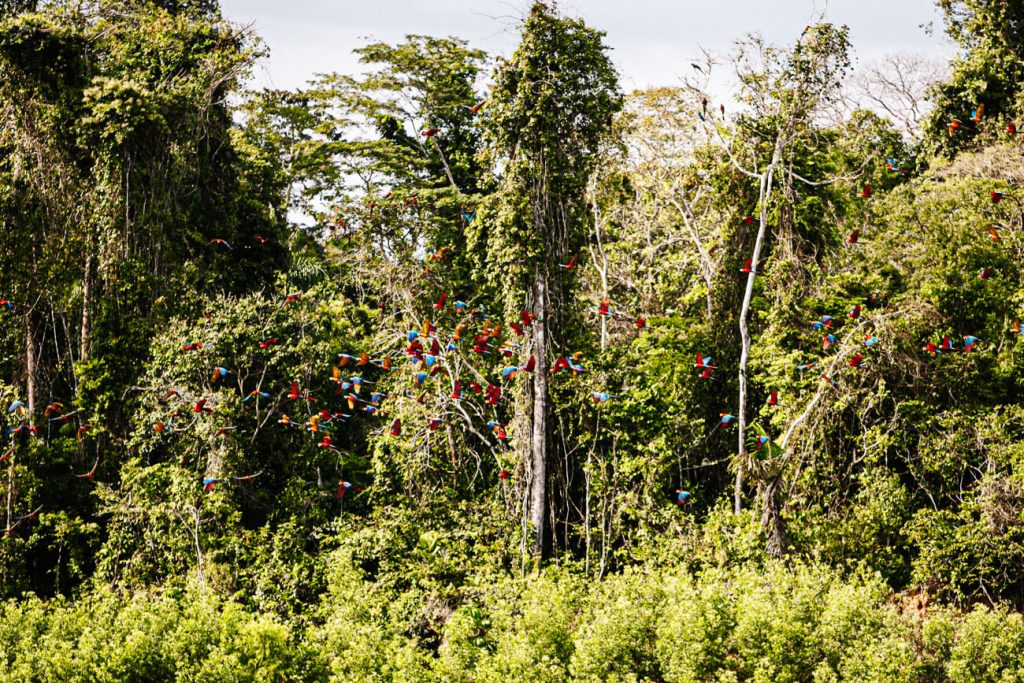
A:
[550,108]
[989,71]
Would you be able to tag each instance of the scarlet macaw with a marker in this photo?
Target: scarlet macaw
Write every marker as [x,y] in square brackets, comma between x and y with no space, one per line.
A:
[825,322]
[343,487]
[91,473]
[854,312]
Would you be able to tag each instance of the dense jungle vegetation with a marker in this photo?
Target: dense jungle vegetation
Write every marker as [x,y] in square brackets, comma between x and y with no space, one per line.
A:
[481,369]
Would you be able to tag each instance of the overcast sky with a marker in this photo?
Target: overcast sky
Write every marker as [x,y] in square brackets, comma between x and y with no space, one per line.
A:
[652,41]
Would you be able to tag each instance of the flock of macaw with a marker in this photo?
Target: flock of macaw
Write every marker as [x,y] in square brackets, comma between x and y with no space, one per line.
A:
[469,327]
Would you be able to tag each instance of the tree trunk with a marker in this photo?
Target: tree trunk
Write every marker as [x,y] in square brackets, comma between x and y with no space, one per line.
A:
[86,309]
[764,194]
[539,441]
[30,363]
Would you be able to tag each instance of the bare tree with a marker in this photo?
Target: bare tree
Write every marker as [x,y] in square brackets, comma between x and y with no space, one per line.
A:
[894,86]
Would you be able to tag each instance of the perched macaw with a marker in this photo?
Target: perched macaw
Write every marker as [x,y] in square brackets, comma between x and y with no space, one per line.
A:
[773,397]
[504,474]
[209,483]
[605,308]
[396,427]
[640,323]
[493,394]
[866,192]
[993,233]
[1011,128]
[852,239]
[854,312]
[969,342]
[985,273]
[441,301]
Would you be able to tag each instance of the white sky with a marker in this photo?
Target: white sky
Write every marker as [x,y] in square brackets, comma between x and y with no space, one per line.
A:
[652,41]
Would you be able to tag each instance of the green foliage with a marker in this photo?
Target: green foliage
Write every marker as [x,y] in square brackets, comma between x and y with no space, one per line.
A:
[894,488]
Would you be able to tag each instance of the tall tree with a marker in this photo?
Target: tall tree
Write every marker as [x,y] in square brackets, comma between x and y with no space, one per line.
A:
[551,105]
